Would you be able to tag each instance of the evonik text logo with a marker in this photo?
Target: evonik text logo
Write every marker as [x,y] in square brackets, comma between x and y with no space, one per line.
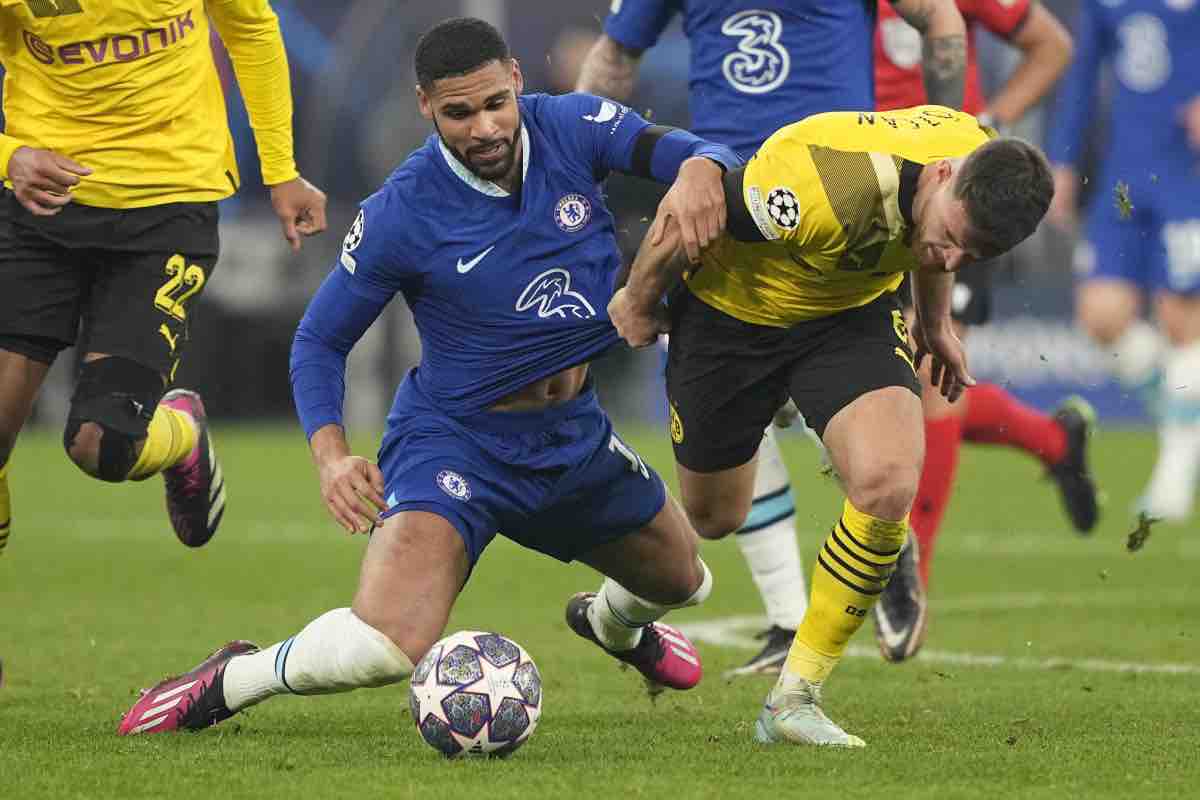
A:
[111,49]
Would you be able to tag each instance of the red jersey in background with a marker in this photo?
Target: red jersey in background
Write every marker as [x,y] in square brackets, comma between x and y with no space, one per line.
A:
[898,79]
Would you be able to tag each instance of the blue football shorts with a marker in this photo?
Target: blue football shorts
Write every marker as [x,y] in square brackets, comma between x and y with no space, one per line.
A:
[1153,240]
[559,481]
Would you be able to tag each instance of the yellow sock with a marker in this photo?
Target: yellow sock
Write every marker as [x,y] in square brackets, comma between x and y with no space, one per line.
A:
[5,508]
[851,571]
[170,437]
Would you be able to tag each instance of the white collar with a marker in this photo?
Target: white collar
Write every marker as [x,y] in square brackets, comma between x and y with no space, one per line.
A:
[474,181]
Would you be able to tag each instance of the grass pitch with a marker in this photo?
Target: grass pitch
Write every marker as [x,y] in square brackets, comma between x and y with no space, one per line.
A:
[1056,666]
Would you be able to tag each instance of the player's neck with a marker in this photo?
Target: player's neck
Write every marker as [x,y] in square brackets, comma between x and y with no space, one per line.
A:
[511,182]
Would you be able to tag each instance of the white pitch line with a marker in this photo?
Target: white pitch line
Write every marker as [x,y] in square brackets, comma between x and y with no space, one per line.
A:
[733,632]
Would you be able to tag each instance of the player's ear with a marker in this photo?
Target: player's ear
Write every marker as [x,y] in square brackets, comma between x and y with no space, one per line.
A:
[518,78]
[424,103]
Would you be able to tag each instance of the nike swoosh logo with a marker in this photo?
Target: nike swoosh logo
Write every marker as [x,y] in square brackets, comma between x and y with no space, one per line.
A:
[891,637]
[463,269]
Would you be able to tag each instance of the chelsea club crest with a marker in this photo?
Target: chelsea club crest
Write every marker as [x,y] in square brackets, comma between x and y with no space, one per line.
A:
[572,212]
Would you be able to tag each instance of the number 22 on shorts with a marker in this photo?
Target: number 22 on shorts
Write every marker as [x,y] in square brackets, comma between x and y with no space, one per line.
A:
[183,281]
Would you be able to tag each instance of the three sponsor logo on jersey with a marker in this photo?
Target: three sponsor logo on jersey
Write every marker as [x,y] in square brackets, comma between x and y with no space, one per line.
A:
[111,49]
[760,64]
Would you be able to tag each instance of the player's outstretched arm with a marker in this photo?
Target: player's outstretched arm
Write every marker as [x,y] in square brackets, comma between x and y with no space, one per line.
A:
[1046,50]
[636,310]
[42,179]
[250,32]
[944,51]
[610,69]
[934,334]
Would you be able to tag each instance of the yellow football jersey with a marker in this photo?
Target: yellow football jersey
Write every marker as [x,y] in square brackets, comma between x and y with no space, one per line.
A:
[129,88]
[832,196]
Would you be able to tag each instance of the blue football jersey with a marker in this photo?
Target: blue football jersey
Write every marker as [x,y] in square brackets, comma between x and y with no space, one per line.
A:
[505,289]
[757,65]
[1153,47]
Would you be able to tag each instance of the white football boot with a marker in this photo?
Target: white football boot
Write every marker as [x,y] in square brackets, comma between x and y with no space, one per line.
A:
[793,714]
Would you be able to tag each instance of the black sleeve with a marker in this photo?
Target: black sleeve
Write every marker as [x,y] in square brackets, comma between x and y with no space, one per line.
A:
[740,224]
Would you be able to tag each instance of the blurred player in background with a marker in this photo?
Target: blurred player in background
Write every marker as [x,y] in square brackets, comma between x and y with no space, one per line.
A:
[757,65]
[799,300]
[1141,239]
[115,154]
[986,413]
[496,234]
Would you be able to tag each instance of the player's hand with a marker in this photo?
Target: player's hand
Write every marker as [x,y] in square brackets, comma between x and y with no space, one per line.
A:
[352,488]
[639,327]
[1064,206]
[42,179]
[1189,115]
[948,358]
[697,202]
[300,207]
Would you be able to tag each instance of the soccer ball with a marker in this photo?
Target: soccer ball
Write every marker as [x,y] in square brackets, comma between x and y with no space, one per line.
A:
[476,693]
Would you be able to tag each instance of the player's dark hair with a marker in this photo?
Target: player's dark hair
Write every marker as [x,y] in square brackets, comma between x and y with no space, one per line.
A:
[456,47]
[1006,187]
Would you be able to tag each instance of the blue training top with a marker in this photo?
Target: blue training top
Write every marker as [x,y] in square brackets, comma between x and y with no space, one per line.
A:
[757,65]
[505,290]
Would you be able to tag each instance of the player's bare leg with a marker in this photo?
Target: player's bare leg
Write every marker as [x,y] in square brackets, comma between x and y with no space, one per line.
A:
[717,503]
[767,541]
[20,379]
[412,571]
[877,446]
[648,573]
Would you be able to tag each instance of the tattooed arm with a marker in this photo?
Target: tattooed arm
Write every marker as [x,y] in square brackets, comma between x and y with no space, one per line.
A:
[944,50]
[609,70]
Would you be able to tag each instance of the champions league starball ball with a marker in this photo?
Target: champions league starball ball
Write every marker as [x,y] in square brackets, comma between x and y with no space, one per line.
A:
[476,693]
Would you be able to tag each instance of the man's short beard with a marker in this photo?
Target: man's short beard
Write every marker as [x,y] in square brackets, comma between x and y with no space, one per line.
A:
[493,172]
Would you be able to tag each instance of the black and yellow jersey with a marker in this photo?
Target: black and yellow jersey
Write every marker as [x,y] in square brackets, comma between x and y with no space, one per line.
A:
[129,88]
[825,212]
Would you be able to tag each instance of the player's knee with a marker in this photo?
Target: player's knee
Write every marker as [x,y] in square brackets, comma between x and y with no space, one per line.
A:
[885,488]
[1105,312]
[110,412]
[716,522]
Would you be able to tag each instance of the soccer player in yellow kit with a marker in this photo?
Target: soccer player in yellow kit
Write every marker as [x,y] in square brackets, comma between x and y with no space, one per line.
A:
[798,300]
[115,153]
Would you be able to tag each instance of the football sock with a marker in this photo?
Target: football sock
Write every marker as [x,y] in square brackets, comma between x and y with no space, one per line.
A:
[1173,483]
[996,417]
[618,615]
[5,507]
[942,439]
[851,571]
[336,652]
[767,540]
[171,437]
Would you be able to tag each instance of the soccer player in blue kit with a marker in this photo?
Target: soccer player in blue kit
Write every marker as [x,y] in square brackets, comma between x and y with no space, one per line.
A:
[756,66]
[496,234]
[1141,238]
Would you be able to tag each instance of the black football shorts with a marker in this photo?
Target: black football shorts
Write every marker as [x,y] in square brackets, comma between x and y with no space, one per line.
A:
[726,378]
[117,281]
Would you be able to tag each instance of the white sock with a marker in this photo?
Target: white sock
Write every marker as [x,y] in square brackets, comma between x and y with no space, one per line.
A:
[1173,483]
[618,615]
[767,540]
[336,652]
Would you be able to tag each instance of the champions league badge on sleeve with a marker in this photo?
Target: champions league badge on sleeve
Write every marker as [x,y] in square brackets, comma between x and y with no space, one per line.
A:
[572,212]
